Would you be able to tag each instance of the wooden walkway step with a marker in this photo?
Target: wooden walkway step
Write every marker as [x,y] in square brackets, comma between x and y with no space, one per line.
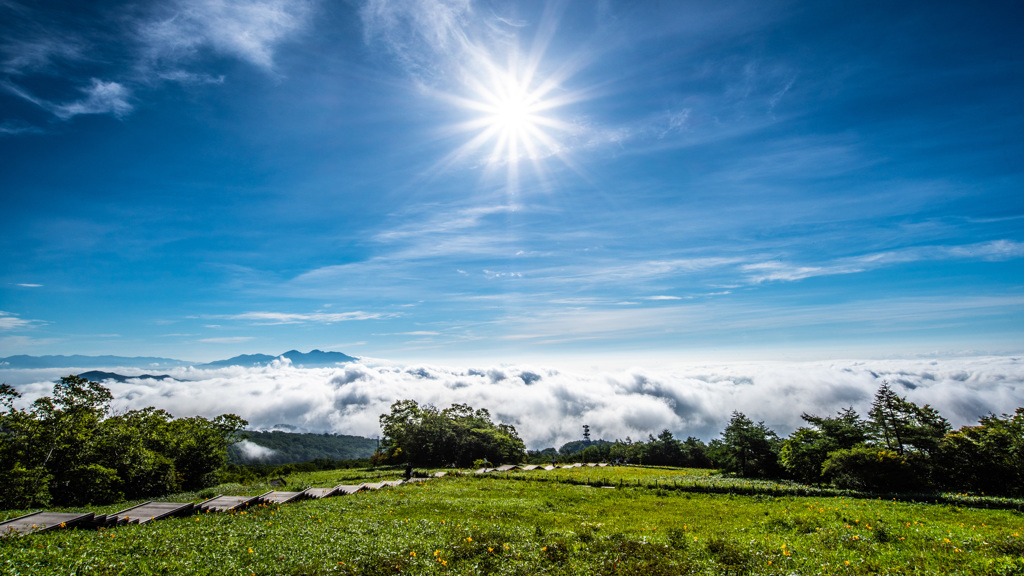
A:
[346,489]
[148,511]
[107,521]
[221,503]
[43,521]
[318,493]
[276,497]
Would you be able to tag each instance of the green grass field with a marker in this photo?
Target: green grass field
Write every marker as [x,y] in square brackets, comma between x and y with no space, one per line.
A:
[499,525]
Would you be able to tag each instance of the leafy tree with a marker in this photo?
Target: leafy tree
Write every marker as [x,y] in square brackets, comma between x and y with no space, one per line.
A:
[458,435]
[664,450]
[596,452]
[135,446]
[747,449]
[986,458]
[806,450]
[68,423]
[66,448]
[25,481]
[200,447]
[695,453]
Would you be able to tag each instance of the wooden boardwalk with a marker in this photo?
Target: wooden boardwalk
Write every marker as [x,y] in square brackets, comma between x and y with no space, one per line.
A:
[318,493]
[43,521]
[346,489]
[276,497]
[149,511]
[229,503]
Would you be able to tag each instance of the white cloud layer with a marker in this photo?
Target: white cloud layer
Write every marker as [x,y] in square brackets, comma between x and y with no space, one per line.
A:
[549,406]
[252,451]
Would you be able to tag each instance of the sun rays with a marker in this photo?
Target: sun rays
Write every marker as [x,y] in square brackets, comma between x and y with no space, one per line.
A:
[512,112]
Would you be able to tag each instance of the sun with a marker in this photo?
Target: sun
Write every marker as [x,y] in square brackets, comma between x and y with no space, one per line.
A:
[512,113]
[513,116]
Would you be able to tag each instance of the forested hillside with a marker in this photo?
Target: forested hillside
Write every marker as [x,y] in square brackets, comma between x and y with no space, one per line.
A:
[291,447]
[69,450]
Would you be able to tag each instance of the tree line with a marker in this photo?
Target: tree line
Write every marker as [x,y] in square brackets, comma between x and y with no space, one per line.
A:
[899,446]
[68,449]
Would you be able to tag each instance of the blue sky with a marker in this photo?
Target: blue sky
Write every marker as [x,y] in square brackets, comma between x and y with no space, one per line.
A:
[454,179]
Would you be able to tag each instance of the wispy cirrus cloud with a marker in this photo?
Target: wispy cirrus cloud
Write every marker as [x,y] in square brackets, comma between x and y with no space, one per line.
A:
[428,37]
[273,318]
[117,57]
[227,340]
[99,97]
[9,321]
[18,127]
[249,30]
[779,270]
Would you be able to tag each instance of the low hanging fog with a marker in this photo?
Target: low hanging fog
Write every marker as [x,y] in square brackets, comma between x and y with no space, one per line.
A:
[548,406]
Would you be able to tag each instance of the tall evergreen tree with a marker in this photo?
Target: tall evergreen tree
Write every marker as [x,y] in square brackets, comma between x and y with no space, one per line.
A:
[902,426]
[746,448]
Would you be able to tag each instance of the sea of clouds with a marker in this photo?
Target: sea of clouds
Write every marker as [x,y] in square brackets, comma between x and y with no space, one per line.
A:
[549,406]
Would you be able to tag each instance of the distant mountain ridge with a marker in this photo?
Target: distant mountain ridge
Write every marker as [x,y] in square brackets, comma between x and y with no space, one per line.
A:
[312,359]
[99,376]
[79,361]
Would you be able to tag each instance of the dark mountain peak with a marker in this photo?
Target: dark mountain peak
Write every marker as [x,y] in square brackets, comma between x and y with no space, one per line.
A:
[315,358]
[100,376]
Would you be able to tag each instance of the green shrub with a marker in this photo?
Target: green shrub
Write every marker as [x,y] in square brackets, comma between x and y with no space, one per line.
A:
[873,469]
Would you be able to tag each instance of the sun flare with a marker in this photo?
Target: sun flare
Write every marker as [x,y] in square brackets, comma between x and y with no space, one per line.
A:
[512,114]
[512,117]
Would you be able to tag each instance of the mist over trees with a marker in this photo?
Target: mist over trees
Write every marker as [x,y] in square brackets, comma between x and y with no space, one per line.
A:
[899,446]
[68,450]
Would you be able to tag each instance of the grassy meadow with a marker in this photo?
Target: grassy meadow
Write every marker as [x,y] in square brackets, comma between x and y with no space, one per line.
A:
[509,525]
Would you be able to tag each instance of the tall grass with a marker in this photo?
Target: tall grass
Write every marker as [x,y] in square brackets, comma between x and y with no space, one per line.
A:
[490,525]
